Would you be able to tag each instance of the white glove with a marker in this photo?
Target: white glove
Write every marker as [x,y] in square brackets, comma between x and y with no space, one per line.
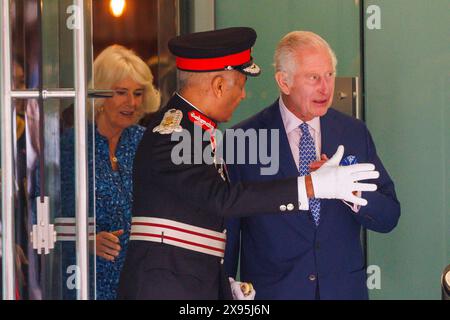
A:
[332,181]
[237,292]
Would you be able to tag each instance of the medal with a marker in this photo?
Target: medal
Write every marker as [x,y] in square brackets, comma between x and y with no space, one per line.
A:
[170,122]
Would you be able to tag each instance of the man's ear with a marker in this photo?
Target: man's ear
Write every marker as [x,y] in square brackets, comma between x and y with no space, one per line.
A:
[282,81]
[218,85]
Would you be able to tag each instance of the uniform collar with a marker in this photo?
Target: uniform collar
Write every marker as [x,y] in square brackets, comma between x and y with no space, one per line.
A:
[185,100]
[198,117]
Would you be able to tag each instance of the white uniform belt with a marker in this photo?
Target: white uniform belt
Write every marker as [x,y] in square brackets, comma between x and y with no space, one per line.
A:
[66,229]
[178,234]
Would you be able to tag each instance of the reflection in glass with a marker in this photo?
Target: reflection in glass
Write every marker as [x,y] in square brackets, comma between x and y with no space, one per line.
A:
[145,27]
[26,149]
[42,276]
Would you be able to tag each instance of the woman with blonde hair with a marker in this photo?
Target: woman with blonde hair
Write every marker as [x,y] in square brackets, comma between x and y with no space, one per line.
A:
[117,136]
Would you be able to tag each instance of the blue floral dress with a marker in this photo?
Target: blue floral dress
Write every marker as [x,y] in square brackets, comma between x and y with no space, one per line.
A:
[113,201]
[113,198]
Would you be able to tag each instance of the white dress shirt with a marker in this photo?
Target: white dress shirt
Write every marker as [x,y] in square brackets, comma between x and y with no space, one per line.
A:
[291,125]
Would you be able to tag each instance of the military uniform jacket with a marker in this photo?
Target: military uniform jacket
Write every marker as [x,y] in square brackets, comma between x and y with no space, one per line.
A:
[193,194]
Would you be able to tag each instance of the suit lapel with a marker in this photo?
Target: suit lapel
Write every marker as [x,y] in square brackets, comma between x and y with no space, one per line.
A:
[288,168]
[331,134]
[272,119]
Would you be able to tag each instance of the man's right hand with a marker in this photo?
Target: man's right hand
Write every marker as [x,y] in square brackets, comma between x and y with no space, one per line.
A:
[332,181]
[237,291]
[107,244]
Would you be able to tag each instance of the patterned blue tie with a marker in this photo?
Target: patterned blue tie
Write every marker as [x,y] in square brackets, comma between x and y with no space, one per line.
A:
[308,155]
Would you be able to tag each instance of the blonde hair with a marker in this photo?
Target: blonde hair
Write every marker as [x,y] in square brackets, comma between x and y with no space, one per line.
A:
[291,44]
[116,63]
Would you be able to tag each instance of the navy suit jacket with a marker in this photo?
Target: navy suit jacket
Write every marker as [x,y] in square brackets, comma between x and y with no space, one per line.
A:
[286,256]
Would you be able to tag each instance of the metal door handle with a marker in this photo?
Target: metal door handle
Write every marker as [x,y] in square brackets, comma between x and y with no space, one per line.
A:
[59,93]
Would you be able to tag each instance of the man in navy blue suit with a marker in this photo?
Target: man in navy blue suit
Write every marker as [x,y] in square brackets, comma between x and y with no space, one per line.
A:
[316,255]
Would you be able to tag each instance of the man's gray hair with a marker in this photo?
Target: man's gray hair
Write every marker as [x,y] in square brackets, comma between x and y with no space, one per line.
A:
[291,44]
[187,78]
[184,78]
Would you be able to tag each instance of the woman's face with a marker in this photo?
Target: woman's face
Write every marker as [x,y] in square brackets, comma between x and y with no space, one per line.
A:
[121,111]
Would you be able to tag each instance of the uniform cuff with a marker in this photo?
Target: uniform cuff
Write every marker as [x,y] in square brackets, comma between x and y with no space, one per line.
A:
[303,202]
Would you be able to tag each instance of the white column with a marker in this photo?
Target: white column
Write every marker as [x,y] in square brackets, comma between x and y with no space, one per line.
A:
[81,168]
[7,158]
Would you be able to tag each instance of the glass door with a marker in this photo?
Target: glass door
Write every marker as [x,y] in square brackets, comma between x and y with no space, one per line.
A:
[47,185]
[48,132]
[407,56]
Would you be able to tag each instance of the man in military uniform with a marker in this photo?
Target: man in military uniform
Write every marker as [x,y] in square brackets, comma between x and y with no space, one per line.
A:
[177,238]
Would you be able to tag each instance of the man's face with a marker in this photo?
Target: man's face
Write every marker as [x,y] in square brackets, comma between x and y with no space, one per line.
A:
[311,92]
[233,93]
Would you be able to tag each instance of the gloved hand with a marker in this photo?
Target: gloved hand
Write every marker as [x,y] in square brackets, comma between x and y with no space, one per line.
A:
[238,294]
[332,181]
